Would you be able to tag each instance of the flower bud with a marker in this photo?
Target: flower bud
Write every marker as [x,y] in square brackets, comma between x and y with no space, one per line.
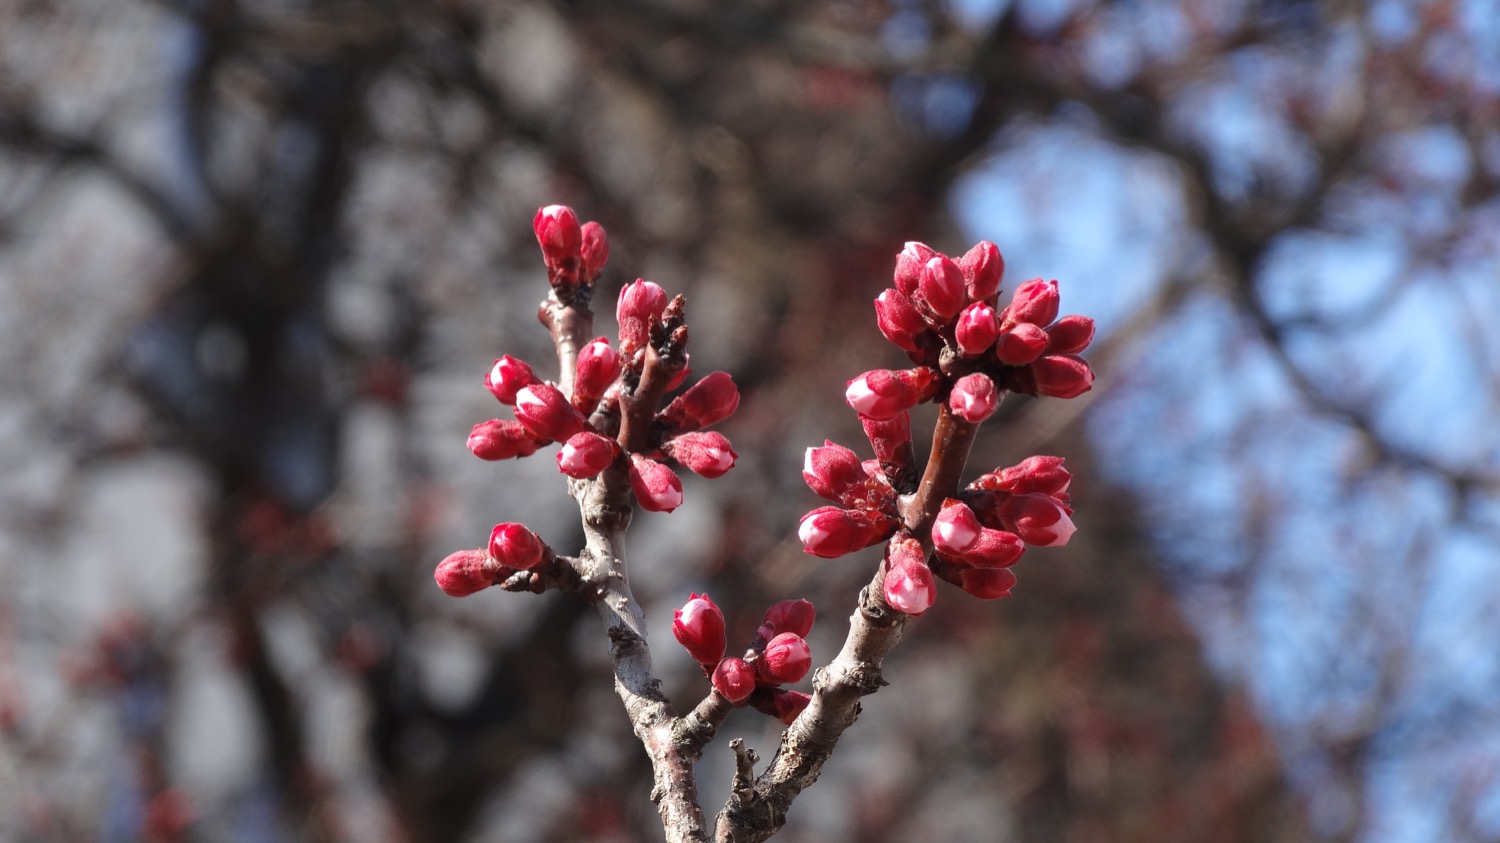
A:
[785,705]
[1036,302]
[909,266]
[559,235]
[1040,520]
[987,583]
[585,454]
[1070,334]
[514,546]
[834,472]
[507,377]
[641,304]
[991,549]
[891,439]
[786,659]
[941,287]
[982,267]
[898,319]
[598,366]
[831,532]
[705,453]
[657,487]
[794,616]
[501,439]
[884,393]
[699,627]
[735,679]
[909,585]
[594,251]
[466,571]
[1062,376]
[706,402]
[545,411]
[955,529]
[974,398]
[1033,474]
[1021,345]
[976,329]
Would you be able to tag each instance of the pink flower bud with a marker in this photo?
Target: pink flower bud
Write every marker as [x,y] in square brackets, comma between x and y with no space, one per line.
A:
[641,304]
[974,398]
[501,439]
[656,486]
[976,329]
[831,532]
[909,585]
[898,319]
[891,438]
[595,250]
[706,402]
[992,549]
[705,453]
[585,454]
[545,411]
[884,393]
[1021,345]
[507,377]
[834,472]
[1070,335]
[1062,376]
[1040,520]
[987,583]
[735,679]
[955,529]
[466,571]
[982,267]
[941,287]
[1036,302]
[514,546]
[794,616]
[909,266]
[598,366]
[699,627]
[786,659]
[1033,474]
[785,705]
[558,233]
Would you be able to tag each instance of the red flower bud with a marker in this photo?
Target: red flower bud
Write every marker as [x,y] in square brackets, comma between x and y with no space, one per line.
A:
[987,583]
[974,398]
[941,287]
[1036,302]
[976,329]
[831,532]
[699,627]
[507,377]
[786,659]
[559,235]
[884,393]
[501,439]
[706,402]
[585,454]
[1070,335]
[794,616]
[735,679]
[595,250]
[598,366]
[991,549]
[891,439]
[955,529]
[834,472]
[545,411]
[656,486]
[1033,474]
[641,304]
[514,546]
[464,572]
[1040,520]
[982,267]
[1021,345]
[909,266]
[1062,376]
[705,453]
[909,585]
[898,319]
[785,705]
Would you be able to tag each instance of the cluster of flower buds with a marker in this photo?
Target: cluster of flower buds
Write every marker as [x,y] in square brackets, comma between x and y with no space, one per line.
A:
[778,655]
[866,513]
[512,547]
[574,253]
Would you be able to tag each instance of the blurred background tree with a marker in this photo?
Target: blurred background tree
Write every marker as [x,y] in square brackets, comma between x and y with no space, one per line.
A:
[256,257]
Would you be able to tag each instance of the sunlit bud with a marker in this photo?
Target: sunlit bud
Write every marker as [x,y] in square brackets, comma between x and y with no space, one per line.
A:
[598,366]
[891,438]
[1036,302]
[941,287]
[786,705]
[974,398]
[786,659]
[501,439]
[987,583]
[585,454]
[794,616]
[558,233]
[909,585]
[1070,334]
[955,529]
[735,679]
[992,549]
[705,453]
[982,267]
[507,377]
[699,627]
[595,250]
[883,393]
[1038,519]
[831,532]
[833,472]
[976,329]
[641,303]
[909,266]
[1021,345]
[656,486]
[466,571]
[898,319]
[514,546]
[1062,376]
[1033,474]
[710,400]
[545,411]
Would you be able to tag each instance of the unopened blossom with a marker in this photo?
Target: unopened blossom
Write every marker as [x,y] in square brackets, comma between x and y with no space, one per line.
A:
[955,529]
[941,287]
[976,329]
[785,704]
[1070,334]
[1021,344]
[515,546]
[1036,302]
[641,303]
[884,393]
[657,487]
[598,366]
[831,532]
[735,679]
[594,250]
[501,439]
[699,628]
[707,402]
[1044,474]
[987,583]
[974,398]
[834,472]
[909,585]
[547,413]
[909,264]
[794,616]
[1040,520]
[507,377]
[464,572]
[1062,376]
[898,319]
[704,452]
[585,454]
[559,235]
[982,267]
[786,659]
